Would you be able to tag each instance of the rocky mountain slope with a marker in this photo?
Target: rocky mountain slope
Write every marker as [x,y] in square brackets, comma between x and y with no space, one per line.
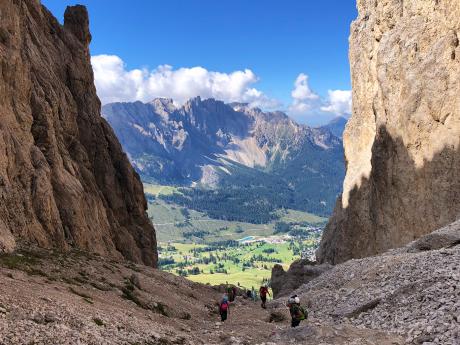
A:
[213,144]
[194,142]
[336,126]
[300,272]
[412,291]
[405,296]
[402,141]
[64,179]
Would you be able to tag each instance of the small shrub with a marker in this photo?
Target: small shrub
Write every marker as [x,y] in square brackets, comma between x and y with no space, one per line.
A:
[17,261]
[100,286]
[79,293]
[37,272]
[98,321]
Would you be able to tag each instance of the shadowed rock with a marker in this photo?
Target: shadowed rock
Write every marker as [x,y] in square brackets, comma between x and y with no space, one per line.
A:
[64,179]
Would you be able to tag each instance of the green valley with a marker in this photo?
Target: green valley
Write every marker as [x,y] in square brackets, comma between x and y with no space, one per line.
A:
[216,251]
[179,224]
[245,264]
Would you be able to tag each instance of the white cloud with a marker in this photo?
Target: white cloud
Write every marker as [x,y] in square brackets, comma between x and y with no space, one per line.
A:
[302,91]
[304,99]
[115,83]
[339,102]
[307,106]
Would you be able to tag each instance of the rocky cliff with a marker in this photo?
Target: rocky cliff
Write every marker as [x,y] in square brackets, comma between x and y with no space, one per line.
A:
[401,143]
[64,179]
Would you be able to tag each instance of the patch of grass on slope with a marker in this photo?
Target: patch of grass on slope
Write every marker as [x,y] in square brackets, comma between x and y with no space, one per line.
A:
[158,190]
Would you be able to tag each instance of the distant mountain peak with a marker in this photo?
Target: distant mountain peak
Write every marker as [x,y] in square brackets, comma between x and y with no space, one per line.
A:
[208,142]
[163,106]
[336,126]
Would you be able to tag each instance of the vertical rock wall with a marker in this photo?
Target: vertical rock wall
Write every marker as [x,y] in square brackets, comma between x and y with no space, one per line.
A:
[64,179]
[402,142]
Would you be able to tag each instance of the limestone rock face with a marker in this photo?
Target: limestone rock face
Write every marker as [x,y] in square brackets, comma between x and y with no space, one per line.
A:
[402,141]
[64,179]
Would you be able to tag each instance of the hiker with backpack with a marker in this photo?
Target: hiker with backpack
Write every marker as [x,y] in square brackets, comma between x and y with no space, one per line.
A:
[230,294]
[298,313]
[263,291]
[248,294]
[234,293]
[224,308]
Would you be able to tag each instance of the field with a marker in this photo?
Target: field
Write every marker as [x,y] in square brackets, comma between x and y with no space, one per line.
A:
[243,264]
[177,224]
[158,190]
[212,251]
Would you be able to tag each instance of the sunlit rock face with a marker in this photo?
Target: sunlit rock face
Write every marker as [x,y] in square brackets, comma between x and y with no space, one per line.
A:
[64,179]
[401,143]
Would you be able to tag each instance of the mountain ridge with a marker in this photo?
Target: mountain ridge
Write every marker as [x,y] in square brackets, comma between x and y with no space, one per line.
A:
[336,126]
[237,121]
[208,143]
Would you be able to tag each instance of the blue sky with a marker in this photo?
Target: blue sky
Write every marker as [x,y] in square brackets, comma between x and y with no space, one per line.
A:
[276,40]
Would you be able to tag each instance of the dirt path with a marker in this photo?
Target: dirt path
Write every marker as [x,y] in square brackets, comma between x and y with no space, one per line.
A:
[247,323]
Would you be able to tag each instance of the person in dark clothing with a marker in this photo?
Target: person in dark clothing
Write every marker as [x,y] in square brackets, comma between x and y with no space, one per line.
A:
[294,311]
[263,291]
[229,291]
[224,308]
[248,294]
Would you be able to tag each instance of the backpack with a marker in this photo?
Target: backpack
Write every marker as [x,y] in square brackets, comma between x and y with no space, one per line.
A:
[263,291]
[224,306]
[303,313]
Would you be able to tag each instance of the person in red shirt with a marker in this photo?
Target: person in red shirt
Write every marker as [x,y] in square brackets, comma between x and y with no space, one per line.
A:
[263,291]
[224,308]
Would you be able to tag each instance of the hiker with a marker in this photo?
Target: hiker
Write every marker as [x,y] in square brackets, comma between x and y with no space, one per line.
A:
[253,294]
[224,308]
[230,294]
[297,312]
[248,294]
[229,291]
[263,291]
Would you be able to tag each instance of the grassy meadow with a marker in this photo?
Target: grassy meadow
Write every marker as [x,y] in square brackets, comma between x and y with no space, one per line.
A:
[209,250]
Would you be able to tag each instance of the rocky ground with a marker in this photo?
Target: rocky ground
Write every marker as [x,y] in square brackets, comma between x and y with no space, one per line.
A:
[413,292]
[406,296]
[48,297]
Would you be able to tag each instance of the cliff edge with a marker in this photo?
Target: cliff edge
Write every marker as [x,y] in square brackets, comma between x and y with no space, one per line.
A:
[64,179]
[402,141]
